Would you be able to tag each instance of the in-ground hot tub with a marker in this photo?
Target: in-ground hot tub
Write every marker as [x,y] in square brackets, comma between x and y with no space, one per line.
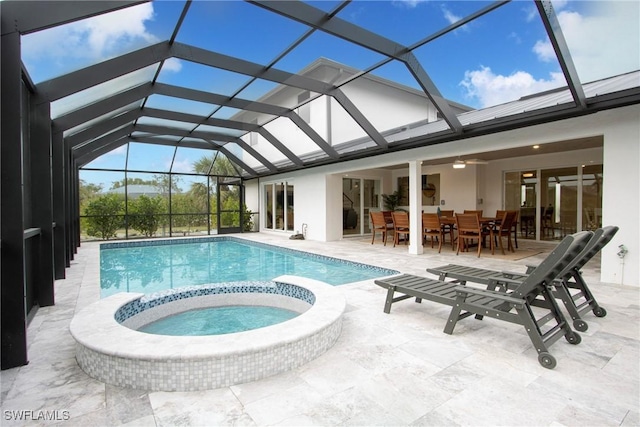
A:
[110,349]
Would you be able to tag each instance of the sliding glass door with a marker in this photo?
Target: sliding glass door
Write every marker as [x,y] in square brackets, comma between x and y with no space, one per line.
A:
[359,196]
[278,206]
[561,202]
[558,203]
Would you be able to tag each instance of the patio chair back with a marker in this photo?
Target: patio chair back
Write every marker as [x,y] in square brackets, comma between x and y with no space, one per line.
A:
[562,255]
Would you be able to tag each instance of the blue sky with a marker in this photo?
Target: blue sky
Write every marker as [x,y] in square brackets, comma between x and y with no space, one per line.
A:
[495,59]
[504,51]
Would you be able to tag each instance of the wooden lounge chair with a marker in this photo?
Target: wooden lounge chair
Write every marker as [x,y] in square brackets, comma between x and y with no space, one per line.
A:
[569,286]
[544,325]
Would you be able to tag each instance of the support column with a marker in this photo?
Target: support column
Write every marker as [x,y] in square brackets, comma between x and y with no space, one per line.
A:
[75,189]
[13,295]
[58,179]
[68,221]
[415,208]
[41,200]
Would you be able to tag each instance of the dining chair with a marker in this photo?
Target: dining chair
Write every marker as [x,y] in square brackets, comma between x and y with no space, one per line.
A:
[514,231]
[504,228]
[469,229]
[547,222]
[379,225]
[431,227]
[448,227]
[477,212]
[400,226]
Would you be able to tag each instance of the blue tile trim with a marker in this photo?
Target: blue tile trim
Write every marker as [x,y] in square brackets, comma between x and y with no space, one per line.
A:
[163,297]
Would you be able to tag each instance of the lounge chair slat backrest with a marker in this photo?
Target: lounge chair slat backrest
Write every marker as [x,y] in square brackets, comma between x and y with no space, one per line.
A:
[605,235]
[566,272]
[549,269]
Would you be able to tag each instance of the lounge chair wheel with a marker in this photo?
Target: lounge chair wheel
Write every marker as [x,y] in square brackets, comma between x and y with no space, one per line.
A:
[573,338]
[547,360]
[580,325]
[599,311]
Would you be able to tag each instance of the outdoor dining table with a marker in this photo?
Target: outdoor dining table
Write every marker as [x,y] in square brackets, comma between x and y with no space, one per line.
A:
[450,222]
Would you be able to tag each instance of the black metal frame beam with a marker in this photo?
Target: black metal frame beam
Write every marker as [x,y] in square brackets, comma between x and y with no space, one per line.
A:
[25,19]
[554,31]
[317,18]
[12,256]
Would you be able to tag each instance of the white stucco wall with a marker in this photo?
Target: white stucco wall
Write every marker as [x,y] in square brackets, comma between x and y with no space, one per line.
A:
[318,190]
[621,194]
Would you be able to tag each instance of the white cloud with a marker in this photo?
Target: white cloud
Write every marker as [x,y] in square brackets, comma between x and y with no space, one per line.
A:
[544,51]
[492,89]
[172,64]
[531,13]
[603,41]
[452,18]
[96,38]
[407,3]
[181,165]
[515,37]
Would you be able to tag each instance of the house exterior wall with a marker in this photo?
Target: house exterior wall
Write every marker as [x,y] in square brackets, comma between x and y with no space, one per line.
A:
[388,107]
[319,204]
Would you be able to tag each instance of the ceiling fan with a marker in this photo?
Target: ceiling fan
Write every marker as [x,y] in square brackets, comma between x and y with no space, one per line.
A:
[460,164]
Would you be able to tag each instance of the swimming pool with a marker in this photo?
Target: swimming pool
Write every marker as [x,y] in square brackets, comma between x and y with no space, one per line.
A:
[110,348]
[218,320]
[152,266]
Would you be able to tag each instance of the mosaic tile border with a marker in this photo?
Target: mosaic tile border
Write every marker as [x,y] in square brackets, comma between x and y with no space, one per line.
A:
[157,299]
[382,271]
[110,352]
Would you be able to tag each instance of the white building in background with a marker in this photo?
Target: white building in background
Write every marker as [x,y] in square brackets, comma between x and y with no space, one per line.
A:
[574,157]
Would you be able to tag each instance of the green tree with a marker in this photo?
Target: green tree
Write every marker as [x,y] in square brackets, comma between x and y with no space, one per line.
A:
[165,181]
[145,214]
[221,166]
[104,216]
[87,193]
[130,181]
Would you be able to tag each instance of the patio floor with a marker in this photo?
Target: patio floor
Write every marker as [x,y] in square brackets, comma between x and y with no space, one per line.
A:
[385,369]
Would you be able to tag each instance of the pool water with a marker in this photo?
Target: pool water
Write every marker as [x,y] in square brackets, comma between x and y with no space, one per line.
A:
[218,320]
[158,265]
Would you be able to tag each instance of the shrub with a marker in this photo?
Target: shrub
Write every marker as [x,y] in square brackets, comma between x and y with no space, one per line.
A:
[145,214]
[104,216]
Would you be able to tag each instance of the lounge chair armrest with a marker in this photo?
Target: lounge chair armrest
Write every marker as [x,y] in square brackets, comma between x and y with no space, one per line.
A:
[504,280]
[511,274]
[463,290]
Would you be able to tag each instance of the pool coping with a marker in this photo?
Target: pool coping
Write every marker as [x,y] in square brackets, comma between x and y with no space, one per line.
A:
[112,353]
